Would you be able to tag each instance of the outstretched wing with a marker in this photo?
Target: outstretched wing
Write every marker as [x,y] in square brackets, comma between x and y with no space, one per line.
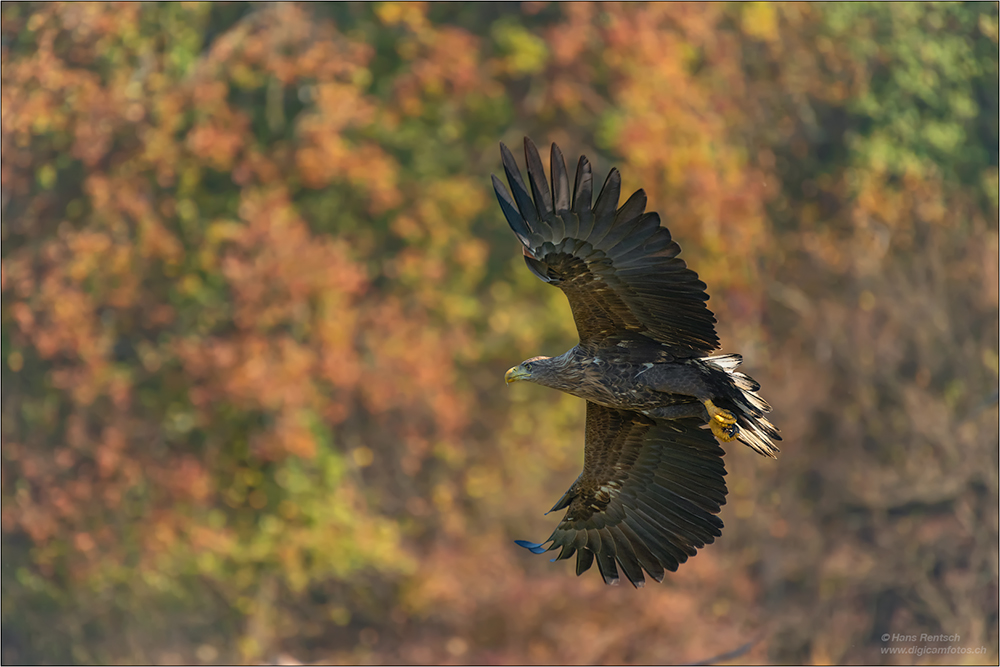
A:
[618,266]
[646,499]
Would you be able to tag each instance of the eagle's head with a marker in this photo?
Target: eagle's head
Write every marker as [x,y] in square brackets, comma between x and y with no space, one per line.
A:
[540,370]
[528,370]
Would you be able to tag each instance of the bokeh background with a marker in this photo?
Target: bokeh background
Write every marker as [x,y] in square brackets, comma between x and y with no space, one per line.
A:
[258,300]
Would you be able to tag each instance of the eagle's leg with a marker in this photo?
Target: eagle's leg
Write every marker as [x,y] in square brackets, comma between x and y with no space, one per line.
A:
[722,421]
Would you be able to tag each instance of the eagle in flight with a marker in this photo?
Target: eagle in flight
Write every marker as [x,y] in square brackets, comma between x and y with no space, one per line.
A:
[653,477]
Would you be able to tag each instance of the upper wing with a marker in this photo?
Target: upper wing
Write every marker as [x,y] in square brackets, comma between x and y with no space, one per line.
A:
[619,268]
[646,499]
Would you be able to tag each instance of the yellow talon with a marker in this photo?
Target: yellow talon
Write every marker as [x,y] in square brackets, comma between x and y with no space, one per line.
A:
[722,421]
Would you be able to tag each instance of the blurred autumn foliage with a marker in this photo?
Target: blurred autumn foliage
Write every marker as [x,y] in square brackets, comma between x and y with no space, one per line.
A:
[258,301]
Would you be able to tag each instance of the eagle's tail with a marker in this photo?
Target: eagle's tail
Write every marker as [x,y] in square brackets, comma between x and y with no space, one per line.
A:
[750,410]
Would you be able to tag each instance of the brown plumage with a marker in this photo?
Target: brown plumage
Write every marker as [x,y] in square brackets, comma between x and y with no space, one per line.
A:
[653,478]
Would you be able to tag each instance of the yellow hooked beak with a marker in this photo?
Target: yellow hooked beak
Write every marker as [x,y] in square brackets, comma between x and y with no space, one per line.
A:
[515,374]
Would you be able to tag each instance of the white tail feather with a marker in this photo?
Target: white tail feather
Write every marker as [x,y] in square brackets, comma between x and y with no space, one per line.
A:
[755,430]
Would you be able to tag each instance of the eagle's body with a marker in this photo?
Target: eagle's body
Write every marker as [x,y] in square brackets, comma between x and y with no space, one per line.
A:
[646,380]
[603,379]
[653,477]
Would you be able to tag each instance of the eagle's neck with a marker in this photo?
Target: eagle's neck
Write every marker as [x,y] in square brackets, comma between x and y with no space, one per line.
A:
[564,372]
